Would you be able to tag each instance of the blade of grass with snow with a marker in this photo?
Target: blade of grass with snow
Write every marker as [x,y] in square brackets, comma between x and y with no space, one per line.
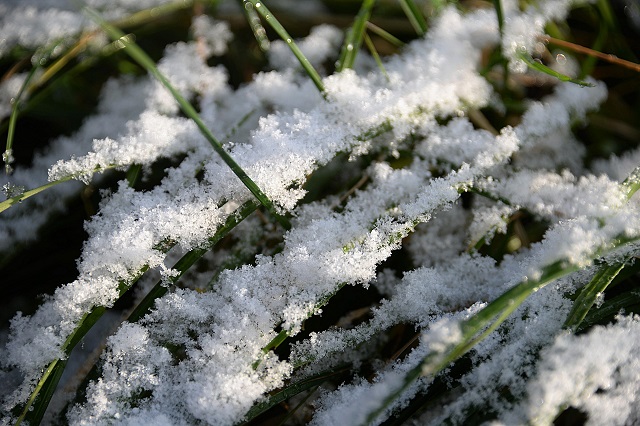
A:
[479,326]
[145,61]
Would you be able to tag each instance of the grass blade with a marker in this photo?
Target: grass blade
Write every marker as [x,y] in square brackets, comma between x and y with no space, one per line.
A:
[21,196]
[256,26]
[589,294]
[374,53]
[262,9]
[145,61]
[191,257]
[627,302]
[354,38]
[292,390]
[415,16]
[39,399]
[531,63]
[385,35]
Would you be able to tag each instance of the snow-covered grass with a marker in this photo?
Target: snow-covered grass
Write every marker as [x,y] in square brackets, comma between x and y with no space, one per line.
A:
[364,231]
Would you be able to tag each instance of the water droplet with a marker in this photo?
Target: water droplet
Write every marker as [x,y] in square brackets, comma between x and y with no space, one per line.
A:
[349,47]
[43,61]
[258,5]
[561,59]
[288,40]
[248,6]
[267,17]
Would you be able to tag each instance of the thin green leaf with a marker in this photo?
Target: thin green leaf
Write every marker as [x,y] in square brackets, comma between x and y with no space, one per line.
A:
[384,34]
[355,35]
[292,390]
[38,60]
[39,399]
[628,302]
[133,174]
[497,4]
[374,53]
[256,26]
[186,261]
[283,334]
[262,9]
[546,70]
[143,59]
[41,395]
[589,294]
[415,16]
[26,194]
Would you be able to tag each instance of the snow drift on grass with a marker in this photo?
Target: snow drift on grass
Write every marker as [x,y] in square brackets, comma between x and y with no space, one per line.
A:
[200,355]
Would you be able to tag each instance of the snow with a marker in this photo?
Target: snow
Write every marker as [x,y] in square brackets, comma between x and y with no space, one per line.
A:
[198,356]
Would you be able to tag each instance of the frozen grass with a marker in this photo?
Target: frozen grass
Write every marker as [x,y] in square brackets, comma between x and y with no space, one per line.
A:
[408,220]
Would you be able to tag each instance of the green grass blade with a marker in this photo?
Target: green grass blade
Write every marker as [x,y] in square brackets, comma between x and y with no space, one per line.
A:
[374,53]
[354,38]
[385,35]
[627,302]
[283,334]
[497,4]
[546,70]
[157,291]
[38,402]
[256,27]
[145,61]
[604,276]
[16,199]
[589,294]
[39,399]
[415,16]
[262,9]
[292,390]
[186,261]
[38,60]
[133,174]
[41,396]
